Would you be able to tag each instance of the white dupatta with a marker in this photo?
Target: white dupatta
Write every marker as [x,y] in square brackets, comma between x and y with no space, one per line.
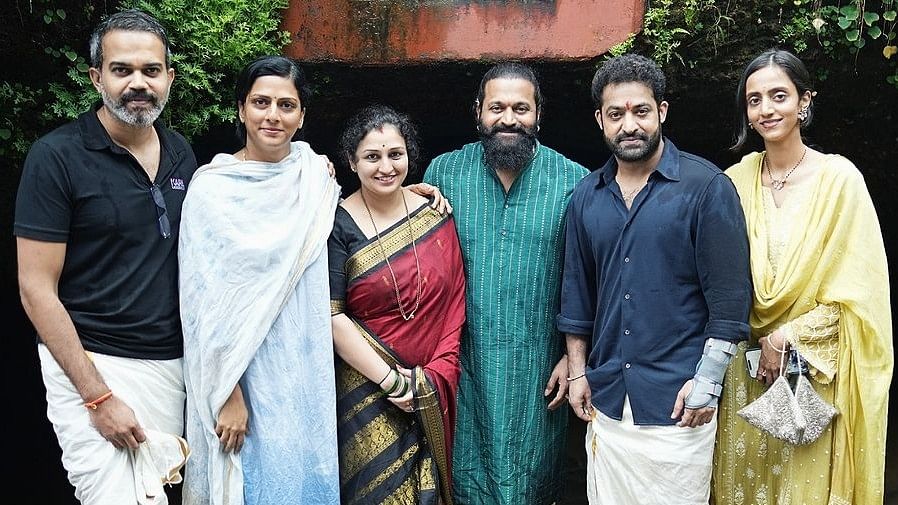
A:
[252,249]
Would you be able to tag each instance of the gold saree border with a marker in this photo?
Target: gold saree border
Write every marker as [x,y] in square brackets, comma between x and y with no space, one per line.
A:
[430,416]
[370,256]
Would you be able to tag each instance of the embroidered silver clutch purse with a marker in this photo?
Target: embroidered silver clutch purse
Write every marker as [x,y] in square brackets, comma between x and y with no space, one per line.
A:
[798,417]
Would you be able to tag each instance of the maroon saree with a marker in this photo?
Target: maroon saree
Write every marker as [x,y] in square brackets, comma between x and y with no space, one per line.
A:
[388,455]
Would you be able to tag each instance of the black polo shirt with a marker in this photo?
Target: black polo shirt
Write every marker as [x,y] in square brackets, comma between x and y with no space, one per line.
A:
[119,282]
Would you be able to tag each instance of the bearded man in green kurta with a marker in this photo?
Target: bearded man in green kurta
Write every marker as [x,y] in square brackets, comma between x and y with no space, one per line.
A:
[509,193]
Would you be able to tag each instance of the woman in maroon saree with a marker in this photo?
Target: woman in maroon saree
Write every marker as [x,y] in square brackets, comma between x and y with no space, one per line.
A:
[397,305]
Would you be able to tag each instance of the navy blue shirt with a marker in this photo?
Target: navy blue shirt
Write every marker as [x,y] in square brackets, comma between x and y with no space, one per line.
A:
[651,284]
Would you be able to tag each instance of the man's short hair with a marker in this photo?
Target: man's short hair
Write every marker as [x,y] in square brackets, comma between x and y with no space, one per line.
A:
[510,70]
[628,68]
[131,20]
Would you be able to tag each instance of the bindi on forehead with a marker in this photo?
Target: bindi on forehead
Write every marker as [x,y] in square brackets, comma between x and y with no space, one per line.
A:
[629,105]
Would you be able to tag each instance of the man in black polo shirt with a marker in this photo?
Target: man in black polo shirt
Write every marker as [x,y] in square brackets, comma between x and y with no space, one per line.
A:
[97,217]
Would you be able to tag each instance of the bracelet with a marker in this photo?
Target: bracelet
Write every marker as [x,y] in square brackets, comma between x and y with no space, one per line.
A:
[402,389]
[775,348]
[385,377]
[572,379]
[94,404]
[394,386]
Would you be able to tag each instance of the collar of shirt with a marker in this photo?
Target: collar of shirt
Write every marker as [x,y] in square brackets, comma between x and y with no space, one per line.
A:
[96,138]
[668,166]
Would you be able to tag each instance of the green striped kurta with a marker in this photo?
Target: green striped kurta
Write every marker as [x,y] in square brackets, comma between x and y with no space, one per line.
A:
[508,447]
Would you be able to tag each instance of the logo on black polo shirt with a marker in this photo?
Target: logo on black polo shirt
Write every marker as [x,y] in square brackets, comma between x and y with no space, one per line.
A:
[177,183]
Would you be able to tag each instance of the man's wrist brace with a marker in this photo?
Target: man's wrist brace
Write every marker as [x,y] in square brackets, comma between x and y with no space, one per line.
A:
[709,373]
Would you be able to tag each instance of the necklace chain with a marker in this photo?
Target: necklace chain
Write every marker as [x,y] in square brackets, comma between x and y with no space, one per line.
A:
[406,315]
[778,184]
[629,195]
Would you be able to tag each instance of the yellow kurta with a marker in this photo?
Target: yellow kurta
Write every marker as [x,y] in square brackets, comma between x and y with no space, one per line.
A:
[819,272]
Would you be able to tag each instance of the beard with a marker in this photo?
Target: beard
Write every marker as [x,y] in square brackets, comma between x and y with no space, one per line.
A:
[641,153]
[507,153]
[140,118]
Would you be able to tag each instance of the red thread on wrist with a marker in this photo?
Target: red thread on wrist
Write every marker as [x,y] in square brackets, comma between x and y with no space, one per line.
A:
[94,404]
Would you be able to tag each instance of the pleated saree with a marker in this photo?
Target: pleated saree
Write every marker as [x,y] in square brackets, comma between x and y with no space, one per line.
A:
[387,455]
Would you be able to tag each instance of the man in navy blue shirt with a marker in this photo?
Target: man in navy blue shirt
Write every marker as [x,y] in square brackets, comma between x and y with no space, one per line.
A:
[656,292]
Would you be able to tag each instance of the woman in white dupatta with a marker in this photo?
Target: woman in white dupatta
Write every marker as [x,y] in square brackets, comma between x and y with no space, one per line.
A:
[259,367]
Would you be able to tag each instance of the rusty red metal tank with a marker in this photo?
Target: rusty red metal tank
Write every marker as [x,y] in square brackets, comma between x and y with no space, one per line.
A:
[417,31]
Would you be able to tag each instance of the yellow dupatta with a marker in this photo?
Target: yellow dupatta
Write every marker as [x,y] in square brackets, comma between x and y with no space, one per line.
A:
[836,256]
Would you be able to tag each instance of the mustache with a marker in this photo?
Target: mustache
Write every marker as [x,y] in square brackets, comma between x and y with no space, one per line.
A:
[622,137]
[508,129]
[129,96]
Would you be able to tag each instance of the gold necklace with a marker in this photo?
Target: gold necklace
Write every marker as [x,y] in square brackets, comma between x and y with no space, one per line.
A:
[778,184]
[405,315]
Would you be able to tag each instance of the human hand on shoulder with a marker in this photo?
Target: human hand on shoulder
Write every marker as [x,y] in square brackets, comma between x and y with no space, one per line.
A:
[440,203]
[330,165]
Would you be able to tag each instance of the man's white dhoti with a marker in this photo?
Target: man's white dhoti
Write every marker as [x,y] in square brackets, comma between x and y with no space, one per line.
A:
[102,474]
[629,464]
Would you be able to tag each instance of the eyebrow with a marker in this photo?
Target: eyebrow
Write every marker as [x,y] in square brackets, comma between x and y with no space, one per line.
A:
[129,65]
[632,106]
[262,95]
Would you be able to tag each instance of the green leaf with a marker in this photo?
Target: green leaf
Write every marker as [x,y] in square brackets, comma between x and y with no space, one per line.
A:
[60,13]
[889,15]
[850,12]
[844,23]
[5,134]
[870,18]
[852,35]
[48,19]
[874,32]
[48,50]
[859,43]
[71,55]
[82,67]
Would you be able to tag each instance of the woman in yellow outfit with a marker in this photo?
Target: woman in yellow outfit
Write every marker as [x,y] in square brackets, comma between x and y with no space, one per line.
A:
[821,288]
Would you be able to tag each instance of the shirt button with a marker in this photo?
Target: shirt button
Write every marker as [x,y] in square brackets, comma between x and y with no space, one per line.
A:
[626,332]
[627,296]
[627,259]
[506,205]
[503,233]
[627,365]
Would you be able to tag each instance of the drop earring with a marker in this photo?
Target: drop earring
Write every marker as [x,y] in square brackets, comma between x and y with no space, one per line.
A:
[803,114]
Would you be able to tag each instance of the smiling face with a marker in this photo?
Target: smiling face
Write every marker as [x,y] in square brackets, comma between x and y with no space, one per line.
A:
[772,104]
[507,121]
[381,161]
[133,79]
[272,113]
[631,120]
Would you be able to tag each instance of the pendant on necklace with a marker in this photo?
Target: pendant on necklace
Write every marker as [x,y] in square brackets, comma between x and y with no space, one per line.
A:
[777,185]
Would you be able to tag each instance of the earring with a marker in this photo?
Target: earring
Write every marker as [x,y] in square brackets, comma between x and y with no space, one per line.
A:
[803,114]
[751,125]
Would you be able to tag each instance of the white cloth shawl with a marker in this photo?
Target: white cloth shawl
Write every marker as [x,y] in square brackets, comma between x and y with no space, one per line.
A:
[255,309]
